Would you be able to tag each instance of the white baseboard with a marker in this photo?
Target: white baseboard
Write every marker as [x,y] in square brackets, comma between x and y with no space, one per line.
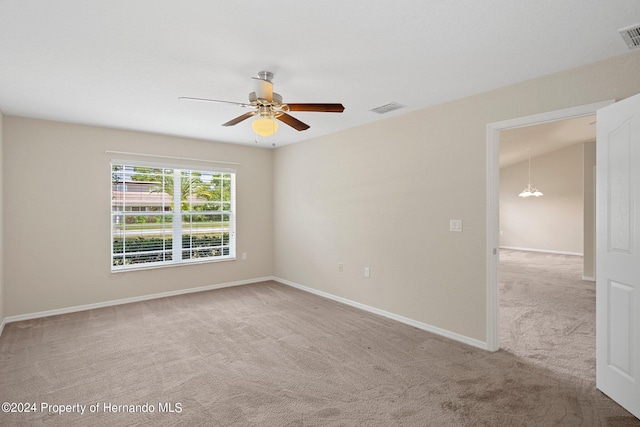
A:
[426,327]
[438,331]
[546,251]
[77,308]
[589,279]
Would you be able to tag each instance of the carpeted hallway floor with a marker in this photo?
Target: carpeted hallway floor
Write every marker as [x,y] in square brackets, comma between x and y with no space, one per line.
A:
[270,355]
[548,314]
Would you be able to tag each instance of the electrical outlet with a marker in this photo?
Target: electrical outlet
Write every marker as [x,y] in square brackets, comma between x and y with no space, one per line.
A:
[244,256]
[367,273]
[340,267]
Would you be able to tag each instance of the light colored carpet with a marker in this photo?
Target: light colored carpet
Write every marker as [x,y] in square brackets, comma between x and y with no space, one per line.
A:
[548,313]
[270,355]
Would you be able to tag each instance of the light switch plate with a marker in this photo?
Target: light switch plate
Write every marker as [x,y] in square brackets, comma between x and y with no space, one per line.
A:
[455,225]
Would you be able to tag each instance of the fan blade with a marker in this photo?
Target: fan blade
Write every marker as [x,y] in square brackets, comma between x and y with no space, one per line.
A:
[238,119]
[263,89]
[292,121]
[215,100]
[322,108]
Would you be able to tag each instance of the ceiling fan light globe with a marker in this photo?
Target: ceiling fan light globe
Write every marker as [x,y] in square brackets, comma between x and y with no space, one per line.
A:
[264,126]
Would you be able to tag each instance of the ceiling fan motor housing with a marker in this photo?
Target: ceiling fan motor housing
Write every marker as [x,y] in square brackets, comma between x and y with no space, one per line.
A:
[276,100]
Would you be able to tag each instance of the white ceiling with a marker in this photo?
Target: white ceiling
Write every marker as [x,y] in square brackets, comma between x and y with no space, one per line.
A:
[124,63]
[544,138]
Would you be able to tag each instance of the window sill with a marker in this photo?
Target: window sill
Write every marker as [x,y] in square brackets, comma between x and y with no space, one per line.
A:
[140,267]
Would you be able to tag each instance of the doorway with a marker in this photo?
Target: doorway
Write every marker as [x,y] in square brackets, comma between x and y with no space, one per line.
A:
[558,159]
[493,186]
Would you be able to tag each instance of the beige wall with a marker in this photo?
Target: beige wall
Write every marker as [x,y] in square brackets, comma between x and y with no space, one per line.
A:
[381,196]
[57,221]
[553,222]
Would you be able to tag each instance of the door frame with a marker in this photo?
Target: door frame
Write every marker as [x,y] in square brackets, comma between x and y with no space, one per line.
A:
[493,202]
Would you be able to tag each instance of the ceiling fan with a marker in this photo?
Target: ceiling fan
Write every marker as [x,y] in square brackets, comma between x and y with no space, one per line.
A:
[268,106]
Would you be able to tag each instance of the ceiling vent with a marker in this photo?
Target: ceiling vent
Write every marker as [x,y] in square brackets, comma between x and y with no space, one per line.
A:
[631,36]
[388,108]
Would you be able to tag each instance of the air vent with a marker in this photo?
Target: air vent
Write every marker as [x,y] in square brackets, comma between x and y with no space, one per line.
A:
[388,108]
[631,36]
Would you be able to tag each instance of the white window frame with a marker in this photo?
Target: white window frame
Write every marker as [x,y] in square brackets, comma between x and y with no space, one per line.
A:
[175,228]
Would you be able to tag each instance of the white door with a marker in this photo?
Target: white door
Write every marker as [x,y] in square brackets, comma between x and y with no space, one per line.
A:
[618,253]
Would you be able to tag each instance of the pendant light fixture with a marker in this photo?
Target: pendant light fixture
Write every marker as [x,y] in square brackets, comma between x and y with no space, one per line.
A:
[530,190]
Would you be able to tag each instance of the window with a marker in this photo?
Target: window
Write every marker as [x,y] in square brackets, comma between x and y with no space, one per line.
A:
[166,215]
